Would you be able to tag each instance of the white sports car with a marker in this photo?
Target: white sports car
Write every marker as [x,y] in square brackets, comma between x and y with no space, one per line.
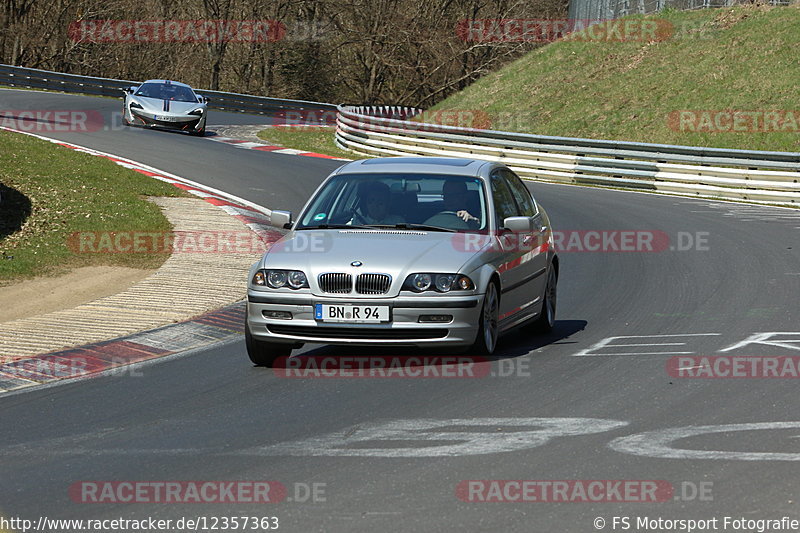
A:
[165,104]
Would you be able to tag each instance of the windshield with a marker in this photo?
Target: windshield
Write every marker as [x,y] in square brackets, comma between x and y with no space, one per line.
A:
[448,203]
[167,91]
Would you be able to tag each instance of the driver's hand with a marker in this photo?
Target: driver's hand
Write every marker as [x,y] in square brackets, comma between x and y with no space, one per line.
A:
[465,216]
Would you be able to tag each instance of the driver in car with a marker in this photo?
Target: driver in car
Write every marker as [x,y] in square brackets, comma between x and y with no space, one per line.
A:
[373,207]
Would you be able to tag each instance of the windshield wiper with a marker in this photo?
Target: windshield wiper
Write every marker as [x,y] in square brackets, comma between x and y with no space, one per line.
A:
[336,226]
[415,226]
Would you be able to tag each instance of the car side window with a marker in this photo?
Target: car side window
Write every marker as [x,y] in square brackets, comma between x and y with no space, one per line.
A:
[525,201]
[504,205]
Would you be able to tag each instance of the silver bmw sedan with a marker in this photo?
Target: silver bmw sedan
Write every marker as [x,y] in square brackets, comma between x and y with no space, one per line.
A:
[414,251]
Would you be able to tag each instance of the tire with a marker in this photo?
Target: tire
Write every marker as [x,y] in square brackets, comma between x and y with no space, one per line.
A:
[488,330]
[547,317]
[264,353]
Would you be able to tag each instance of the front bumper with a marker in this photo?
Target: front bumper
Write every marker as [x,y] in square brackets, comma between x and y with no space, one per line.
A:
[174,122]
[404,328]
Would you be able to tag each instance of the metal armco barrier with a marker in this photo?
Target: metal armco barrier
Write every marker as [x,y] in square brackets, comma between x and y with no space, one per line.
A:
[756,176]
[70,83]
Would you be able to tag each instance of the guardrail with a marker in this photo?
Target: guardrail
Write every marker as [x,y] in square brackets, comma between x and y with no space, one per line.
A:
[768,177]
[31,78]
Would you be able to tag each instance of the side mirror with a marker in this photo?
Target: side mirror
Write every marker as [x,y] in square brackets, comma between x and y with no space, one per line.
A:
[518,224]
[129,90]
[202,99]
[281,219]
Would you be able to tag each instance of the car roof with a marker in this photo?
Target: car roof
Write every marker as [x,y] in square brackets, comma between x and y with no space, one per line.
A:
[168,82]
[417,165]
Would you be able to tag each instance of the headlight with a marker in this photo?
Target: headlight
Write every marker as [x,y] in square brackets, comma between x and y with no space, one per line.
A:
[134,105]
[198,112]
[421,282]
[276,279]
[424,281]
[444,282]
[297,279]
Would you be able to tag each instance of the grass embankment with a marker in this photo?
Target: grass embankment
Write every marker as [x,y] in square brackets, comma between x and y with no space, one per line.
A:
[725,69]
[50,192]
[310,139]
[741,59]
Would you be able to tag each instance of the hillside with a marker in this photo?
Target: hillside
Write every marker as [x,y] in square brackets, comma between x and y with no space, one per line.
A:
[721,77]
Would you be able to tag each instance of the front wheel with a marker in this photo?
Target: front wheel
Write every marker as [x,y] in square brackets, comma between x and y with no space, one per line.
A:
[486,339]
[547,317]
[264,353]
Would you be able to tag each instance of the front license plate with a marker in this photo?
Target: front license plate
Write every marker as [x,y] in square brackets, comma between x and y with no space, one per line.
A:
[355,314]
[164,119]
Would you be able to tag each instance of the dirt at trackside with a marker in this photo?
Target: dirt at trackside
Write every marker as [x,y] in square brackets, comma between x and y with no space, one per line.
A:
[43,295]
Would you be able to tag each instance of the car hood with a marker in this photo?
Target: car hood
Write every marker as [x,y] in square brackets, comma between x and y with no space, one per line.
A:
[394,252]
[156,105]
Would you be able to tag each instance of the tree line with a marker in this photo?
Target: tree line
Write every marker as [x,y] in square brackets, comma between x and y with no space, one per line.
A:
[399,52]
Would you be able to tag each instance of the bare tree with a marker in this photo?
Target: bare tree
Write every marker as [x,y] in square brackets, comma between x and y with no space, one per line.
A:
[405,52]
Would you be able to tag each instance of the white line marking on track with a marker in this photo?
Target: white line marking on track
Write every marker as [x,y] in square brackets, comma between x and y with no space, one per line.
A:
[606,343]
[659,344]
[438,438]
[659,443]
[766,338]
[640,353]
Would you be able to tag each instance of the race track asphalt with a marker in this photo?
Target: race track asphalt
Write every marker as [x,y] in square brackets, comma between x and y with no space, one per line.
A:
[210,415]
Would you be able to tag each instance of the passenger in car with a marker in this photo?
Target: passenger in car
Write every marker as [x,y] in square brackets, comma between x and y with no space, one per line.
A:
[456,197]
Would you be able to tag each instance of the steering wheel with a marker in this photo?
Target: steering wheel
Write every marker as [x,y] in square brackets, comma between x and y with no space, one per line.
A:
[447,219]
[358,215]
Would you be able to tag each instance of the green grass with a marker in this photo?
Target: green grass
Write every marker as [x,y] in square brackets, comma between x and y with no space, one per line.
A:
[311,139]
[741,58]
[50,192]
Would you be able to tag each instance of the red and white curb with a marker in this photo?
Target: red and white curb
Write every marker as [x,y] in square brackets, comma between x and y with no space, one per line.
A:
[251,145]
[96,358]
[254,216]
[114,355]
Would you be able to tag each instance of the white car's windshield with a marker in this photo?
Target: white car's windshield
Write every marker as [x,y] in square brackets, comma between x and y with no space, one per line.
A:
[424,201]
[167,91]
